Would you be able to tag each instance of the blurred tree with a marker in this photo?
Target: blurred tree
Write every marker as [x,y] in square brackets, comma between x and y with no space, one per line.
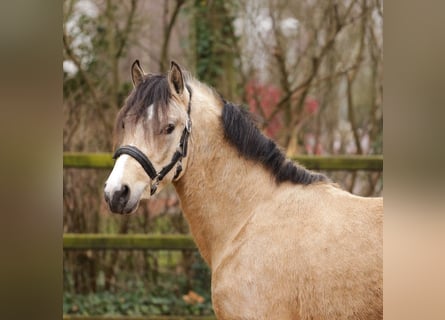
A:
[325,56]
[95,40]
[168,28]
[216,46]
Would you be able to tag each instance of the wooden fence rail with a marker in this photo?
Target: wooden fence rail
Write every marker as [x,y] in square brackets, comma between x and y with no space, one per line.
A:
[344,162]
[98,241]
[177,242]
[76,317]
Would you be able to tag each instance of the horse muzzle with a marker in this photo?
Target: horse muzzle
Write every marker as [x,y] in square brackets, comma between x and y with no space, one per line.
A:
[119,200]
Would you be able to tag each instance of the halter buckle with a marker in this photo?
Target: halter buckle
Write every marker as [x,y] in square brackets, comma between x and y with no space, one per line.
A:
[154,186]
[178,170]
[188,125]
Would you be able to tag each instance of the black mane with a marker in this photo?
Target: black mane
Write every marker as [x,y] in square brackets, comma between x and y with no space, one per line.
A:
[241,131]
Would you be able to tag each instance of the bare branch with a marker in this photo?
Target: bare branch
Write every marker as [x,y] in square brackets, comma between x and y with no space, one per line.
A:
[75,60]
[316,62]
[379,7]
[167,34]
[305,84]
[350,79]
[128,26]
[68,9]
[351,115]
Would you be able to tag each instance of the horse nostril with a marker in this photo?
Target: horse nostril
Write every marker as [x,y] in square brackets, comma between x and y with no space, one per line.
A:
[121,196]
[125,191]
[118,199]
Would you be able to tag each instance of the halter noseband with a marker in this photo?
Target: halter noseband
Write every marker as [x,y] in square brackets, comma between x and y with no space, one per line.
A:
[180,153]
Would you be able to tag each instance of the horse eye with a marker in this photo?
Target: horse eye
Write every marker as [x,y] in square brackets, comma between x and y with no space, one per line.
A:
[169,128]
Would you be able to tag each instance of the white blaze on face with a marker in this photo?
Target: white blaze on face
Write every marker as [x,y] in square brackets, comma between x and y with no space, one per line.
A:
[114,181]
[150,112]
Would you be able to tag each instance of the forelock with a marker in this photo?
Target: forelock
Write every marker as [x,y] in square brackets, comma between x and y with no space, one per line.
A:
[153,90]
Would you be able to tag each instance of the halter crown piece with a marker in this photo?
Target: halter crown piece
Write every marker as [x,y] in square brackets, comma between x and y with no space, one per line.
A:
[180,153]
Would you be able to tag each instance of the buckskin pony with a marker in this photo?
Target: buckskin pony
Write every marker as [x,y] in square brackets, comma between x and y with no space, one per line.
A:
[282,242]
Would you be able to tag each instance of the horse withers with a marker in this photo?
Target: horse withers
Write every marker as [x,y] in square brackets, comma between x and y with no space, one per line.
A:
[282,242]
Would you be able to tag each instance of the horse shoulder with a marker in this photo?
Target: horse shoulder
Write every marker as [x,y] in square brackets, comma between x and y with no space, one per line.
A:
[307,241]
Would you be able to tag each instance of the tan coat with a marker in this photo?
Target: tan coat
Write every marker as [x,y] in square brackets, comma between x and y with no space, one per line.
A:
[278,251]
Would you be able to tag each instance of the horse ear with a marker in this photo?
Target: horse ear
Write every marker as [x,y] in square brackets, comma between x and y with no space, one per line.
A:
[176,78]
[137,73]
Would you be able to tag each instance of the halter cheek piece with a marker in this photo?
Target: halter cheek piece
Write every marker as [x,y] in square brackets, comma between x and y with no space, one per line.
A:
[180,153]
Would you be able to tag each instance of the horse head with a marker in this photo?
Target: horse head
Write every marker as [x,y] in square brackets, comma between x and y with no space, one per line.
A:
[151,135]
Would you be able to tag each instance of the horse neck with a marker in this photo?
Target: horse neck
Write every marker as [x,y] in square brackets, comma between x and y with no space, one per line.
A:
[218,188]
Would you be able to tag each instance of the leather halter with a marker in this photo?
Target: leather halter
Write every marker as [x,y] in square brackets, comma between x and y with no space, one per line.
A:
[180,153]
